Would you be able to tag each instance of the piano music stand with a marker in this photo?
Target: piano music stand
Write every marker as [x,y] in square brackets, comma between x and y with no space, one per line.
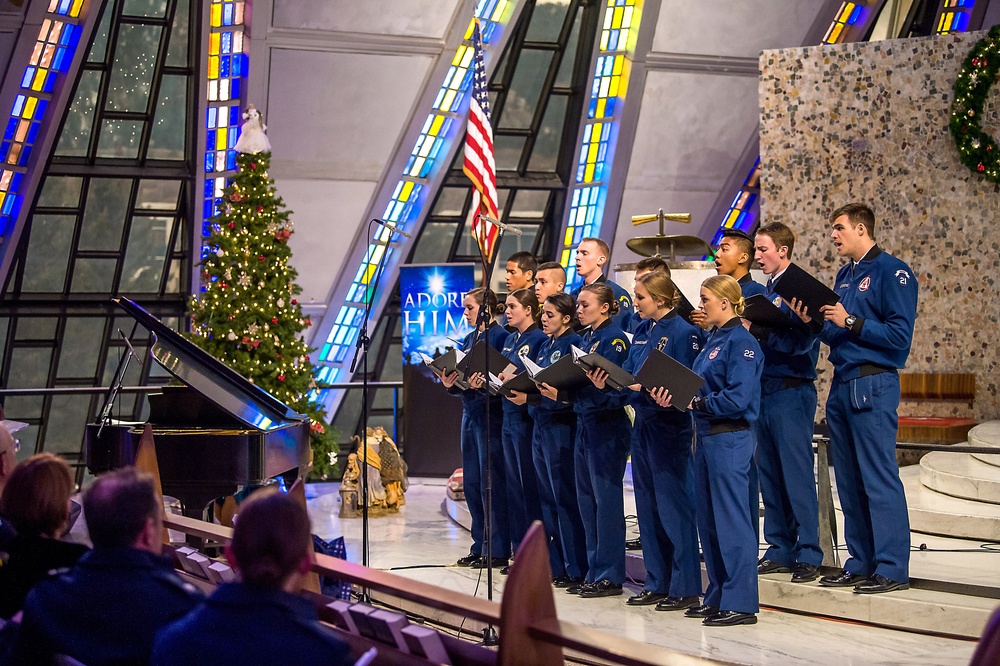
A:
[117,381]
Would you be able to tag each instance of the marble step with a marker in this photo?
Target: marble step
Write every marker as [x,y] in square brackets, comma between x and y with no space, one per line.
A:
[986,434]
[932,512]
[961,475]
[909,610]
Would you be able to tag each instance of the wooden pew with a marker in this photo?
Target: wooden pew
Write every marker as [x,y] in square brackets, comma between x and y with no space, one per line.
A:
[530,631]
[917,391]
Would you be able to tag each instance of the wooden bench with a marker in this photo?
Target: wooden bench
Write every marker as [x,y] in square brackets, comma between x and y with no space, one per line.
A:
[530,632]
[918,390]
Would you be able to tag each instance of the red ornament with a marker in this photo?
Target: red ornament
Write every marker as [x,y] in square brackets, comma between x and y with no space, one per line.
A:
[261,258]
[260,209]
[232,317]
[232,225]
[980,168]
[245,340]
[295,301]
[274,320]
[236,197]
[223,285]
[975,61]
[253,165]
[281,378]
[256,343]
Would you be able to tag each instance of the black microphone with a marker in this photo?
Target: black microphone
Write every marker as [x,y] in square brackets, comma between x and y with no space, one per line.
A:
[393,227]
[506,227]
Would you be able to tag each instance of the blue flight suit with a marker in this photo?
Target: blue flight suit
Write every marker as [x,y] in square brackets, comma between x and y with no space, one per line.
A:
[633,322]
[784,439]
[552,444]
[105,610]
[474,407]
[523,504]
[751,287]
[662,468]
[727,405]
[881,291]
[623,298]
[601,452]
[244,624]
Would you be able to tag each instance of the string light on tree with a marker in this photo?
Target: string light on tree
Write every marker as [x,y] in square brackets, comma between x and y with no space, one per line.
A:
[976,148]
[258,333]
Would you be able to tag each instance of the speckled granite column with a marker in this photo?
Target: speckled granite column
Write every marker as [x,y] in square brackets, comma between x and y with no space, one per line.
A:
[869,122]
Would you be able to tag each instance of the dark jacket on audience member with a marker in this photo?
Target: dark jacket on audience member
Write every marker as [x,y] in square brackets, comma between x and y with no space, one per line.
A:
[30,559]
[105,610]
[243,624]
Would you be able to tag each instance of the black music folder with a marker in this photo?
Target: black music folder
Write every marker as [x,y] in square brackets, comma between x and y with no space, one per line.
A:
[662,371]
[684,308]
[521,382]
[763,312]
[564,374]
[796,283]
[446,363]
[618,377]
[494,362]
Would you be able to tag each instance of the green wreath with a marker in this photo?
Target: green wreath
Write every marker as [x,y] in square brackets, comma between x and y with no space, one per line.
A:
[977,149]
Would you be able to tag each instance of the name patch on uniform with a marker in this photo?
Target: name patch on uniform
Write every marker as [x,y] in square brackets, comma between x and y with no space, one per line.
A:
[662,343]
[902,276]
[715,352]
[523,351]
[748,353]
[865,283]
[555,356]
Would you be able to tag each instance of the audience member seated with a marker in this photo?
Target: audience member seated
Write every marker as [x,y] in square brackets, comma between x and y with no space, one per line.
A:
[259,619]
[35,500]
[108,608]
[8,460]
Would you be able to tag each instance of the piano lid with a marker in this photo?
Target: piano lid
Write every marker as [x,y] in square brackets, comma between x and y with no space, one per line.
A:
[241,398]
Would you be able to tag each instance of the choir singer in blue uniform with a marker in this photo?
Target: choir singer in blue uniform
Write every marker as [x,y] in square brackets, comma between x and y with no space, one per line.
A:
[475,405]
[869,332]
[662,470]
[724,411]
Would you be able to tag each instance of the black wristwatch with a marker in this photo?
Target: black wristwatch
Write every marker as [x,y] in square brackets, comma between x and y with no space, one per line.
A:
[849,322]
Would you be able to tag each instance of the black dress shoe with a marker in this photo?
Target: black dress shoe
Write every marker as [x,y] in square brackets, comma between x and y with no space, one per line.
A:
[766,566]
[804,573]
[878,584]
[566,581]
[505,570]
[577,587]
[702,611]
[842,578]
[633,544]
[677,603]
[468,560]
[729,618]
[602,588]
[646,598]
[498,563]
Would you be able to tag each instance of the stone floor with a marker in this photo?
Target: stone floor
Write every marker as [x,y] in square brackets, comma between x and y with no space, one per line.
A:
[421,542]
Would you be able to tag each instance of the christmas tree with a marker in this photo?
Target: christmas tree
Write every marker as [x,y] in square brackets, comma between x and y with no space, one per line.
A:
[247,315]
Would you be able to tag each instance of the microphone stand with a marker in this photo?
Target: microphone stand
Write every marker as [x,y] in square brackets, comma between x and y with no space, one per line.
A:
[361,352]
[484,318]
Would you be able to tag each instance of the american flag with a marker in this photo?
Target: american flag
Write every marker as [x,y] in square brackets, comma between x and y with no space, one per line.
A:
[479,164]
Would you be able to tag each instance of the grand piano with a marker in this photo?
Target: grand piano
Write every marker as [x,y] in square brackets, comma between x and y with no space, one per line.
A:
[215,434]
